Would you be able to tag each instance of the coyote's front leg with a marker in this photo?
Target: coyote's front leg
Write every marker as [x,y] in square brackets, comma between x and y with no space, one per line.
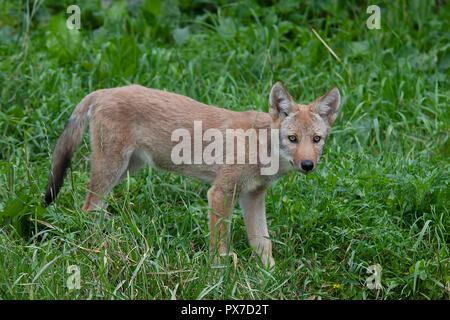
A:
[221,203]
[254,208]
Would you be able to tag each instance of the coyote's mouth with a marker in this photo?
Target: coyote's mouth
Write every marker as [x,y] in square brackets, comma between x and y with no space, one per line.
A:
[299,168]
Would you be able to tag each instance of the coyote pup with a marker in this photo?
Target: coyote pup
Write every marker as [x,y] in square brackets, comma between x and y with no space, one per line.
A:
[134,125]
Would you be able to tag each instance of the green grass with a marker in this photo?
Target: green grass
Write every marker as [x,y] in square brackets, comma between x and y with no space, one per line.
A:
[379,197]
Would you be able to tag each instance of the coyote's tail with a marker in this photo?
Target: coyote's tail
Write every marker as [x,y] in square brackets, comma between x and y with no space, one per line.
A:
[66,145]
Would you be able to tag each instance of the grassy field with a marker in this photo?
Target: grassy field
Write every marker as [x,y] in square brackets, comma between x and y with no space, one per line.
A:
[379,197]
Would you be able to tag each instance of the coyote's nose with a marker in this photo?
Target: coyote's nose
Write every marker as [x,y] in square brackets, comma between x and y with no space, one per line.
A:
[307,165]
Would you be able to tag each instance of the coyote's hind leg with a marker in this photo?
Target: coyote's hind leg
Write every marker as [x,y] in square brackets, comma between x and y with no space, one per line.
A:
[106,172]
[109,160]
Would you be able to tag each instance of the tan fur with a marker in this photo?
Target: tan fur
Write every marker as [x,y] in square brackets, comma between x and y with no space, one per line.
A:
[132,125]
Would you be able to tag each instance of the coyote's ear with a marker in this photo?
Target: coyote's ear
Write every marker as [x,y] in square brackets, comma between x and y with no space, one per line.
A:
[280,101]
[327,106]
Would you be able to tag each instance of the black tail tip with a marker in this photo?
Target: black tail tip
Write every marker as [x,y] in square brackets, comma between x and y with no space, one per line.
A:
[49,197]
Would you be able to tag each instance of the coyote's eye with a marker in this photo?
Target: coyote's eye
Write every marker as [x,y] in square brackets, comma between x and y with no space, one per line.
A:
[316,139]
[292,138]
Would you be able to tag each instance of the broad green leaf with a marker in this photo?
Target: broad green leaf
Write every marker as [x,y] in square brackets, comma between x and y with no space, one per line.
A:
[13,209]
[154,6]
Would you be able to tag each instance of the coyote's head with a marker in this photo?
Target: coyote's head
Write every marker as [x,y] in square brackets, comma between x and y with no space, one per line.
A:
[303,129]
